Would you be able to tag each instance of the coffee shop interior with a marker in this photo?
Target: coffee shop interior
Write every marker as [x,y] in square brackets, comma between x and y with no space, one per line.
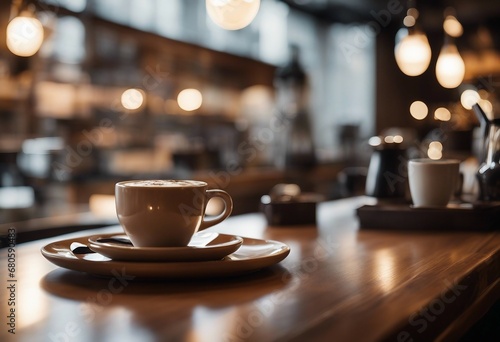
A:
[101,91]
[324,101]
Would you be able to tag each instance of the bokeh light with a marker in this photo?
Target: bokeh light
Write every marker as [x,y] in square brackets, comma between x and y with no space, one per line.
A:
[442,114]
[435,150]
[375,141]
[436,145]
[398,139]
[452,26]
[389,139]
[132,99]
[189,99]
[486,106]
[469,98]
[434,154]
[409,21]
[232,14]
[419,110]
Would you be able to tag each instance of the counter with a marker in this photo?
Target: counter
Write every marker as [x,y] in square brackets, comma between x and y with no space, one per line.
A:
[339,282]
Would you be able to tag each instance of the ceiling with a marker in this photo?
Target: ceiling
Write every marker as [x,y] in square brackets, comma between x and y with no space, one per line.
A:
[469,12]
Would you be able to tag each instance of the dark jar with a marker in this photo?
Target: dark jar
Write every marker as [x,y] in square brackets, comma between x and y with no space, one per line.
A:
[387,172]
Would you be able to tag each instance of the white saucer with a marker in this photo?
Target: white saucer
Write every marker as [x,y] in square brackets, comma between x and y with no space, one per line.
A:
[254,254]
[202,247]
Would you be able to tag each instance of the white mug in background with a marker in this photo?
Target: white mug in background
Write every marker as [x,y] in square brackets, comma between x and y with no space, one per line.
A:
[433,182]
[166,213]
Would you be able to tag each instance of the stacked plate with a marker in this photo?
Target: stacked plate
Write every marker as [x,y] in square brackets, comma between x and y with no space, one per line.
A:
[208,255]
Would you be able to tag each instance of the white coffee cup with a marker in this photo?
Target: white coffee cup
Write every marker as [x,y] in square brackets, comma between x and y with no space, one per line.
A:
[166,213]
[432,182]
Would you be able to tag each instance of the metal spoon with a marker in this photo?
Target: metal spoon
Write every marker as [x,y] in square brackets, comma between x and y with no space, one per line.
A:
[80,248]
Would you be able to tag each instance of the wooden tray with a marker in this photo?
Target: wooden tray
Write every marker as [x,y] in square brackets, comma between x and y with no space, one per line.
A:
[454,217]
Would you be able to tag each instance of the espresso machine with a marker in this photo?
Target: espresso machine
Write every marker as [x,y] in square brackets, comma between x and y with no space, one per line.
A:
[488,174]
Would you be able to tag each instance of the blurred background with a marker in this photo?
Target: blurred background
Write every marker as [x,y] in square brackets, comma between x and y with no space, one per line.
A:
[97,91]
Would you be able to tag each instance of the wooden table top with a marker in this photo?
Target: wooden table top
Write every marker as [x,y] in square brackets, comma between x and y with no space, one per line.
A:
[338,283]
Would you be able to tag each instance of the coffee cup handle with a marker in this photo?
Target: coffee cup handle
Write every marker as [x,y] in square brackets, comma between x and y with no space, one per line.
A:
[228,207]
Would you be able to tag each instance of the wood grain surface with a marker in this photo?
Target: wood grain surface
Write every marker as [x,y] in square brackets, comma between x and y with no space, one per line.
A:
[339,283]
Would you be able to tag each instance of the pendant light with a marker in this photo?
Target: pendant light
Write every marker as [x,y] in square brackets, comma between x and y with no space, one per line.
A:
[412,50]
[232,14]
[450,67]
[24,35]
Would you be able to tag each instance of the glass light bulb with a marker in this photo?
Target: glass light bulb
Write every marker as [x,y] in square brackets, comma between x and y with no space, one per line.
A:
[24,36]
[450,67]
[232,14]
[412,52]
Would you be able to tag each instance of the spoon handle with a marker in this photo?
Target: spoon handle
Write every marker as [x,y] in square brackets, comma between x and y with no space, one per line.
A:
[80,248]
